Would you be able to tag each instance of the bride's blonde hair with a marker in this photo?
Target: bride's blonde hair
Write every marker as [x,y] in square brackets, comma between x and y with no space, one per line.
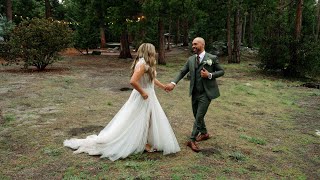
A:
[148,52]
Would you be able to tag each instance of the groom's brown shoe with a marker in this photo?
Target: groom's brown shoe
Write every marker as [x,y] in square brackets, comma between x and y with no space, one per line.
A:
[193,146]
[202,137]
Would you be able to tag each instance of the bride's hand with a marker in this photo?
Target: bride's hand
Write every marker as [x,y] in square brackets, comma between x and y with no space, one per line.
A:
[144,96]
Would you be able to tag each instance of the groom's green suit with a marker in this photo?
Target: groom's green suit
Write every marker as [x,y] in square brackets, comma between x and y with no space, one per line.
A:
[202,90]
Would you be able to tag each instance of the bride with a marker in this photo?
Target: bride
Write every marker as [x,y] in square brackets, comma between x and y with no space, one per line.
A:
[140,124]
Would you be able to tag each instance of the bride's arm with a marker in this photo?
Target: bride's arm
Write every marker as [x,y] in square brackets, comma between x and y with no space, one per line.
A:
[159,84]
[134,81]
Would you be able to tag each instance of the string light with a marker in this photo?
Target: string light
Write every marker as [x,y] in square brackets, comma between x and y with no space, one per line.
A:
[64,22]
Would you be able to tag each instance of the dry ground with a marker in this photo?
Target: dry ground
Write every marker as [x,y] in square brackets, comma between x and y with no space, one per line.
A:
[263,127]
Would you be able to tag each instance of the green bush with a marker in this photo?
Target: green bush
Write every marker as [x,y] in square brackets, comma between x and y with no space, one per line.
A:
[275,53]
[310,57]
[5,28]
[37,42]
[87,35]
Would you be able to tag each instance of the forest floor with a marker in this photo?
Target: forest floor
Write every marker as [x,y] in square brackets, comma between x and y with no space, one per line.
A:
[262,126]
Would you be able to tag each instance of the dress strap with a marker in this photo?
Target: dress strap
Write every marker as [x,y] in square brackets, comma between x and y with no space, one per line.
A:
[141,63]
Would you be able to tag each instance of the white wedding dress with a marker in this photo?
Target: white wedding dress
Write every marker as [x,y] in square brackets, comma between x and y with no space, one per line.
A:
[137,123]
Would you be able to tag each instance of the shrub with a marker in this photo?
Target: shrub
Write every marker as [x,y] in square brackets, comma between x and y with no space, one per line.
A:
[37,42]
[5,28]
[310,57]
[87,35]
[276,54]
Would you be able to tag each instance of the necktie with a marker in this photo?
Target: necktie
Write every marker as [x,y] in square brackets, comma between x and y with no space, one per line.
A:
[198,59]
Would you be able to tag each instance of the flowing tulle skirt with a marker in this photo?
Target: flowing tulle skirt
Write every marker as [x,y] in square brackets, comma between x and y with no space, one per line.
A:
[137,123]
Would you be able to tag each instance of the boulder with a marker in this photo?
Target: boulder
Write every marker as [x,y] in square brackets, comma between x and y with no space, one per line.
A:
[96,53]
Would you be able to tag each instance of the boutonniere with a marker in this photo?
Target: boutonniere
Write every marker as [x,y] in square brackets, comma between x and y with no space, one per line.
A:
[208,61]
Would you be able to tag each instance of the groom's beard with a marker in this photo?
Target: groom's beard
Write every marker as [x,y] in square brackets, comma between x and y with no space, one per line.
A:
[195,50]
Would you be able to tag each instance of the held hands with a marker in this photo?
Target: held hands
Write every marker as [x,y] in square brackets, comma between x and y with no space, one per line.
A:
[204,73]
[169,87]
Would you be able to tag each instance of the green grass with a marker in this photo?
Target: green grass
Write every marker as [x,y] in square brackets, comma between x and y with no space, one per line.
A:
[52,151]
[238,156]
[262,127]
[253,139]
[9,117]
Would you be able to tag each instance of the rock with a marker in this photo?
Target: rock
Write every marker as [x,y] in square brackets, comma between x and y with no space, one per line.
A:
[219,48]
[96,53]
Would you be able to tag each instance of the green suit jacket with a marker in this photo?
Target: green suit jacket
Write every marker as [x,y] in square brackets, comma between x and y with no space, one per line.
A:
[210,85]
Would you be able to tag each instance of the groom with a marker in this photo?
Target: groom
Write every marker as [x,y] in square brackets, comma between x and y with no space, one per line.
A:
[204,68]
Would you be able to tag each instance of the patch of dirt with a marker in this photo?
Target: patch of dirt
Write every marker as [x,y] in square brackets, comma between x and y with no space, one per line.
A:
[101,63]
[210,151]
[70,52]
[55,171]
[308,122]
[56,70]
[2,60]
[253,168]
[28,115]
[84,130]
[1,118]
[107,62]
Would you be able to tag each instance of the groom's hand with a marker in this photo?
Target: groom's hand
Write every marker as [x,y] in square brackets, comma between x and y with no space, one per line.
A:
[169,87]
[204,73]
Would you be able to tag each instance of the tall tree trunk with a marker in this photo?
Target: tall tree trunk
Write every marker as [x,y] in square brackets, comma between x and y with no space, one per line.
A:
[9,10]
[237,37]
[250,30]
[161,53]
[185,32]
[177,37]
[229,33]
[169,36]
[102,36]
[292,69]
[240,28]
[142,35]
[185,41]
[244,25]
[48,8]
[298,21]
[101,16]
[318,21]
[124,46]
